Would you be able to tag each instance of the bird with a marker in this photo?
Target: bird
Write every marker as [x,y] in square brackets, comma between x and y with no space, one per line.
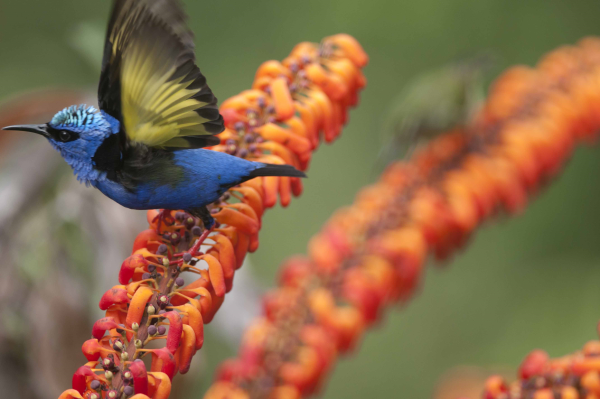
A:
[144,146]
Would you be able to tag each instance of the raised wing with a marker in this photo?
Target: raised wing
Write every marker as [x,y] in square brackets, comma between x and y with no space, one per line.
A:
[150,81]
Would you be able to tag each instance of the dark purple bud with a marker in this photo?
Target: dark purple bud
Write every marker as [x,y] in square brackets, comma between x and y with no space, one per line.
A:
[175,238]
[249,138]
[162,330]
[270,109]
[145,276]
[179,282]
[231,149]
[152,330]
[239,126]
[187,257]
[95,385]
[252,148]
[162,311]
[128,390]
[294,67]
[272,119]
[197,231]
[180,216]
[243,153]
[261,102]
[231,141]
[189,223]
[166,236]
[151,268]
[162,249]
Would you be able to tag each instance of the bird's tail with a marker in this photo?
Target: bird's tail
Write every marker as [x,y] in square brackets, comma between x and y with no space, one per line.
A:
[276,170]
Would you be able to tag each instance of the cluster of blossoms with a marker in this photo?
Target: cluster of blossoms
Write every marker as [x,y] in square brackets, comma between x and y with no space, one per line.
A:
[575,376]
[371,255]
[279,121]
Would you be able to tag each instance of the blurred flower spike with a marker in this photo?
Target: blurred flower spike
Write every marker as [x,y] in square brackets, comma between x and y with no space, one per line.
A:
[371,255]
[573,376]
[281,120]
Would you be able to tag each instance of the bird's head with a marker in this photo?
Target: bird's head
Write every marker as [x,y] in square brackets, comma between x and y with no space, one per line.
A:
[77,132]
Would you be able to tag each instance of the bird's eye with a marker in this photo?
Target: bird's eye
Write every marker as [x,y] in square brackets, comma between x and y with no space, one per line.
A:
[64,136]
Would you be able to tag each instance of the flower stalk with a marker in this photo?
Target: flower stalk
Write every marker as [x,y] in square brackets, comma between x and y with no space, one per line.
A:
[371,254]
[178,273]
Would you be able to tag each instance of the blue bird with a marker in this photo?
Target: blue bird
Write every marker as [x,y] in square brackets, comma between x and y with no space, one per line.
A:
[143,147]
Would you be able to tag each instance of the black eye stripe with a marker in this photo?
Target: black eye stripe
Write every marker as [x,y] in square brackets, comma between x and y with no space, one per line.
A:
[62,136]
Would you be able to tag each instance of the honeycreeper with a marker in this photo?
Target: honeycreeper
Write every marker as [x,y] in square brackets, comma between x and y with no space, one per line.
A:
[143,148]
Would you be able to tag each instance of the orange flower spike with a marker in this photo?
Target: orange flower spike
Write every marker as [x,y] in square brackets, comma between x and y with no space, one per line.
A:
[187,349]
[216,273]
[285,136]
[252,198]
[282,99]
[70,394]
[239,220]
[161,385]
[350,47]
[138,305]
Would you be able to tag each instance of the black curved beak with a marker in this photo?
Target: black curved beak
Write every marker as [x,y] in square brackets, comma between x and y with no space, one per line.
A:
[37,129]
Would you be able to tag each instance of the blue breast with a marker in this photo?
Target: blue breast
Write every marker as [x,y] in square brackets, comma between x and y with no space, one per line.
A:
[206,176]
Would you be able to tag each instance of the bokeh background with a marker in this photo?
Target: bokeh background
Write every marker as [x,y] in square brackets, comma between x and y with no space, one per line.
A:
[522,283]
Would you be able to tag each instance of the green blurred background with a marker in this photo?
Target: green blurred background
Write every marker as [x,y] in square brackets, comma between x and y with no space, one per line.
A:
[522,283]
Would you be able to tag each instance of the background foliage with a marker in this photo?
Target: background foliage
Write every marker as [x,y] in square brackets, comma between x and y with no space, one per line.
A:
[529,282]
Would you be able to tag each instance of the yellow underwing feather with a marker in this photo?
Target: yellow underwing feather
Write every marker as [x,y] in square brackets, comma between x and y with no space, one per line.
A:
[150,81]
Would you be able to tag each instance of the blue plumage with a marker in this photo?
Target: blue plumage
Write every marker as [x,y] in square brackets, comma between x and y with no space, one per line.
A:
[143,148]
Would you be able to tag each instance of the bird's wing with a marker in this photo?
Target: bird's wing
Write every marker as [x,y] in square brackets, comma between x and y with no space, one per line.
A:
[150,81]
